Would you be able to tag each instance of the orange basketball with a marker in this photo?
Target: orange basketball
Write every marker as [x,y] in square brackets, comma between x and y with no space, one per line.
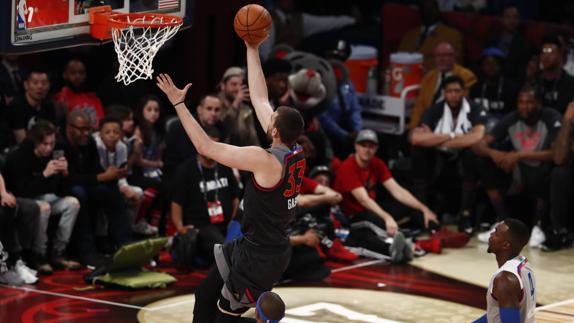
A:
[252,23]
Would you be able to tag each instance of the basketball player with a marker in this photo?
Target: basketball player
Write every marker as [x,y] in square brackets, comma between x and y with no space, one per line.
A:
[249,266]
[511,296]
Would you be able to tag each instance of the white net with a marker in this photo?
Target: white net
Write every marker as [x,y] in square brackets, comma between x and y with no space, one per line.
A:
[136,46]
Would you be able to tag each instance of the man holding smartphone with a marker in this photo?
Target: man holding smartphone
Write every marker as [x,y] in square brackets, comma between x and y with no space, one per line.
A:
[37,171]
[237,113]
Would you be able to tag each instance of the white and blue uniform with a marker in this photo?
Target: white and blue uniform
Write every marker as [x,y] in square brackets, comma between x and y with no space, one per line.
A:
[519,267]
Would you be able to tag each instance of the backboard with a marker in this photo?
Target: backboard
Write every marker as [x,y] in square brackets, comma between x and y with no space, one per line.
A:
[37,25]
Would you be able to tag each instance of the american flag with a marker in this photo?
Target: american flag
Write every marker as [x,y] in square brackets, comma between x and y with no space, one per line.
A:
[167,4]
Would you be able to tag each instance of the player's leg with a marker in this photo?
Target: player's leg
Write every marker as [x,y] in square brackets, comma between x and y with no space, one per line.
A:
[206,296]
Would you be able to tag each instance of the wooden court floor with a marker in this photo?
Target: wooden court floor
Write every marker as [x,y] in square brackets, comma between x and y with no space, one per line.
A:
[366,291]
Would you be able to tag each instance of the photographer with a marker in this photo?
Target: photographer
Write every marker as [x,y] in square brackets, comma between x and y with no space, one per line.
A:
[38,171]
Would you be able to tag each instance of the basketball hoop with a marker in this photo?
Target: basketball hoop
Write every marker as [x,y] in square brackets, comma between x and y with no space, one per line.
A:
[137,38]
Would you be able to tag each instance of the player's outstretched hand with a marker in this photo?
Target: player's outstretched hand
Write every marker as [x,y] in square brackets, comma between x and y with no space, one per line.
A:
[174,95]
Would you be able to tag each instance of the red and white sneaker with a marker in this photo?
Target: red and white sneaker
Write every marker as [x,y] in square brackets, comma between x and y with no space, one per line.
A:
[339,252]
[430,245]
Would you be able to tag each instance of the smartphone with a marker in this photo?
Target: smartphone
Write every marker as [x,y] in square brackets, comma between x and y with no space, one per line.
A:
[57,154]
[124,165]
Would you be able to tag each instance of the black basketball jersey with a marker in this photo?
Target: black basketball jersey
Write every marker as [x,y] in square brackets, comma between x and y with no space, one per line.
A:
[268,212]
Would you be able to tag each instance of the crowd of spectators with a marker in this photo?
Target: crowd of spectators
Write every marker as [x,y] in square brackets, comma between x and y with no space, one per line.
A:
[84,173]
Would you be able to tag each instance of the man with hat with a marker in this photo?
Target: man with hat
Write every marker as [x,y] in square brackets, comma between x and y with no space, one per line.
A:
[237,114]
[356,180]
[494,92]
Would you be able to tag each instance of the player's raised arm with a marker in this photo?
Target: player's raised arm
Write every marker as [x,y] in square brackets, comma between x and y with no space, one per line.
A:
[251,158]
[258,87]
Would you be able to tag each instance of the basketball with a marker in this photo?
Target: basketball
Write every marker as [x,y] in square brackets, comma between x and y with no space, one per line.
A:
[252,23]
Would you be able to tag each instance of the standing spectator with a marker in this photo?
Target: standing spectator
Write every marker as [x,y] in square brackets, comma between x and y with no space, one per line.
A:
[40,172]
[555,85]
[441,144]
[342,120]
[237,114]
[510,39]
[561,184]
[11,76]
[32,105]
[525,167]
[205,198]
[430,34]
[74,94]
[433,82]
[494,92]
[95,188]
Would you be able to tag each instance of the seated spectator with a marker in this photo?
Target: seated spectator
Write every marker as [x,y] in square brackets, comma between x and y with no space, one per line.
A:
[356,180]
[96,189]
[291,27]
[74,94]
[430,34]
[205,197]
[494,92]
[517,158]
[555,85]
[342,120]
[31,106]
[114,152]
[237,114]
[18,229]
[178,146]
[11,76]
[6,136]
[147,172]
[510,39]
[126,116]
[40,172]
[432,85]
[441,145]
[151,132]
[316,204]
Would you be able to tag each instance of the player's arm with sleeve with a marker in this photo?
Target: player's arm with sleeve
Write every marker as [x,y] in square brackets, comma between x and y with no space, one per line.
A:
[506,289]
[252,158]
[258,87]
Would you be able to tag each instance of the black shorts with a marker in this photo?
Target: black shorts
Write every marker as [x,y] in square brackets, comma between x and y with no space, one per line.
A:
[248,270]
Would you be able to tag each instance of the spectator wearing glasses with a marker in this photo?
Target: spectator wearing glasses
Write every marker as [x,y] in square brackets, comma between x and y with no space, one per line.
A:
[95,188]
[555,85]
